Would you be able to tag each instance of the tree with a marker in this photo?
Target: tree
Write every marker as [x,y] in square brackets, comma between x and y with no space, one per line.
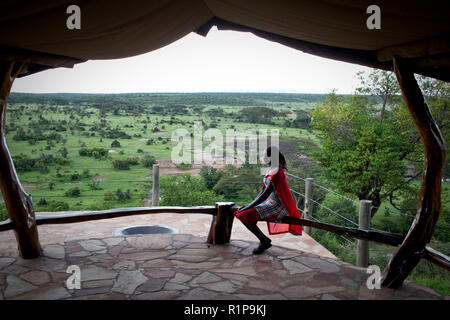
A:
[379,83]
[360,155]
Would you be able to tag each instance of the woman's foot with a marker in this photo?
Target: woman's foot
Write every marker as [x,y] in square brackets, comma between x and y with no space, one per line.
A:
[263,246]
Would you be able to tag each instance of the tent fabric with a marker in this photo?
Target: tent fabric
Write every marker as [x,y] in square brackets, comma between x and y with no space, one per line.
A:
[416,30]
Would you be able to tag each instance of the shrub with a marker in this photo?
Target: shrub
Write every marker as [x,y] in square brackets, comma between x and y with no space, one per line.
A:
[121,164]
[94,185]
[148,161]
[184,166]
[115,144]
[211,176]
[133,161]
[58,206]
[75,176]
[186,191]
[73,192]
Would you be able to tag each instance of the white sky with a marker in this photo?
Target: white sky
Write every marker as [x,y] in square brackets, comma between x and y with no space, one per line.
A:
[224,61]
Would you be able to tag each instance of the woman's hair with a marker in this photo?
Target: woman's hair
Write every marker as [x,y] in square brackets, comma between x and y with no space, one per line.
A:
[281,159]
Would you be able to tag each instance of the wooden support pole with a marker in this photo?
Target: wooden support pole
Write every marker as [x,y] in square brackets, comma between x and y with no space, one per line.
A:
[429,206]
[18,203]
[308,202]
[155,188]
[221,224]
[362,259]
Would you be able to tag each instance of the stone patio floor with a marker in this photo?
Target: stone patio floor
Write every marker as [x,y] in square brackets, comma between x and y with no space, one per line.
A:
[182,266]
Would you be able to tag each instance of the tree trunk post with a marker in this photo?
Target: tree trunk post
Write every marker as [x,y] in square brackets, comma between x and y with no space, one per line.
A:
[221,224]
[429,205]
[362,259]
[155,188]
[308,202]
[18,203]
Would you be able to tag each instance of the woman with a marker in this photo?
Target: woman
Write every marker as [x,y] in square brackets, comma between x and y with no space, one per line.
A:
[271,205]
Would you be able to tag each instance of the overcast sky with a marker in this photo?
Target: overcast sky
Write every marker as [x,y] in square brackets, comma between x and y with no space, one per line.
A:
[224,61]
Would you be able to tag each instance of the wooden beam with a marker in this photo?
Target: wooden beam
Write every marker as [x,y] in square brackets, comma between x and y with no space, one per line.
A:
[18,203]
[437,258]
[122,212]
[393,239]
[429,206]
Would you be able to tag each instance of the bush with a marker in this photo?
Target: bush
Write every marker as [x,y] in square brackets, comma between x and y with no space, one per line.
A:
[211,176]
[115,144]
[133,161]
[121,164]
[184,166]
[97,153]
[148,161]
[186,191]
[94,185]
[73,192]
[58,206]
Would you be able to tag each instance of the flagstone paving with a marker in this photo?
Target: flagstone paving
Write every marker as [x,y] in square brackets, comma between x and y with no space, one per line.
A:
[184,266]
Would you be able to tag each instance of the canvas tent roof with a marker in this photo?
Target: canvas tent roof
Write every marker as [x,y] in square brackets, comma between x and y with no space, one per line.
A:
[419,31]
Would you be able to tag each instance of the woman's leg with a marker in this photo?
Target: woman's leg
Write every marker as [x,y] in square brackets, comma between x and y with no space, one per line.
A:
[249,218]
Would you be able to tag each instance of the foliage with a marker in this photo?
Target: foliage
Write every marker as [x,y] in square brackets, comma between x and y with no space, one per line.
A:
[211,176]
[121,164]
[115,144]
[186,191]
[73,192]
[148,161]
[258,114]
[362,156]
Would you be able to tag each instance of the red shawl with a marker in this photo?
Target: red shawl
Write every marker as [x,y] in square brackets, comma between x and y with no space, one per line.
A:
[281,186]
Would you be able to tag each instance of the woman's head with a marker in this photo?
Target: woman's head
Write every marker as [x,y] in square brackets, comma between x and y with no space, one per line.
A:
[273,151]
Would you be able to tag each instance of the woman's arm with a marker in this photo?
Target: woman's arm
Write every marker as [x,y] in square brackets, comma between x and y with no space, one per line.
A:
[260,198]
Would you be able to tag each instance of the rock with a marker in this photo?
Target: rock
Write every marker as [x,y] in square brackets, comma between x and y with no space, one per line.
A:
[295,267]
[47,293]
[36,277]
[222,286]
[205,277]
[90,273]
[125,265]
[128,281]
[17,286]
[151,285]
[92,245]
[54,251]
[6,261]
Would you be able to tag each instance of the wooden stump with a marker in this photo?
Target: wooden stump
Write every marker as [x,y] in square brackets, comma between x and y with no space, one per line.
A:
[221,224]
[18,203]
[422,228]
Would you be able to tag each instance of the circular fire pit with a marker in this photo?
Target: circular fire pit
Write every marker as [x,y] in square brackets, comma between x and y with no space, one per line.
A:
[152,229]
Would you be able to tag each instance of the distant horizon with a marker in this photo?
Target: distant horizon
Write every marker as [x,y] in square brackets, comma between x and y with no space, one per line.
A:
[175,92]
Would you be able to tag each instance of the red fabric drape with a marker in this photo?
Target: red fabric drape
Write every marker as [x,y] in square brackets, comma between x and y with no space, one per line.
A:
[281,186]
